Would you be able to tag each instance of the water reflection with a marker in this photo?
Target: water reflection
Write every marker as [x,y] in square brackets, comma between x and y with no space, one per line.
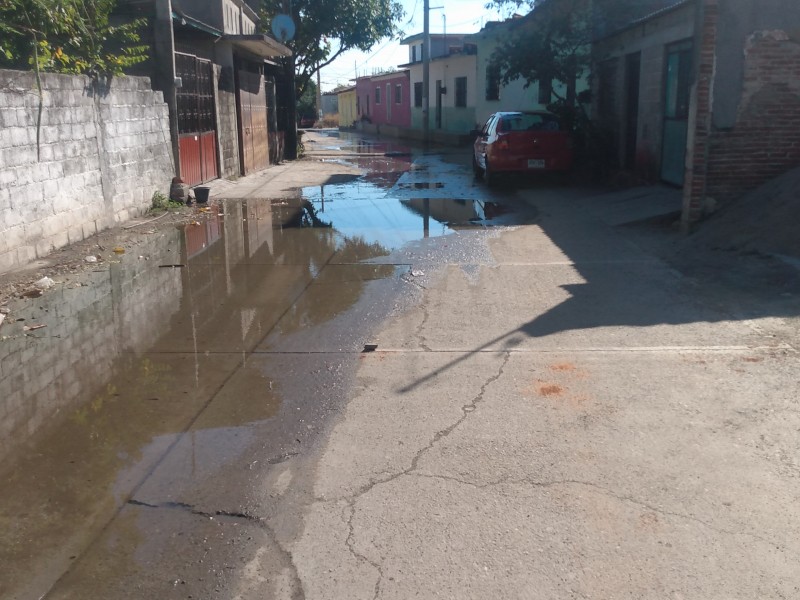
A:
[141,354]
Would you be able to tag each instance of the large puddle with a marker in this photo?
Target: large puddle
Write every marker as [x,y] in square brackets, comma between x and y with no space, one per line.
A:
[171,361]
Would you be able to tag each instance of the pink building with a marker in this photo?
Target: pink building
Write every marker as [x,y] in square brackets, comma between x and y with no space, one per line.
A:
[384,99]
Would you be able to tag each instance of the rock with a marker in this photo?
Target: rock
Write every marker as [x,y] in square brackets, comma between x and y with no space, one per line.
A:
[45,283]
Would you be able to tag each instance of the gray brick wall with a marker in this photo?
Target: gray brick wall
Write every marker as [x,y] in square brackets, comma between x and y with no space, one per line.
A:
[100,157]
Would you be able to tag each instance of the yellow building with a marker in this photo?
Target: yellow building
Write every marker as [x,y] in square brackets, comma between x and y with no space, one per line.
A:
[347,107]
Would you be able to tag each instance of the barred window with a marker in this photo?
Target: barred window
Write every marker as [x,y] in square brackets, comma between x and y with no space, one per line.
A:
[418,94]
[461,91]
[492,82]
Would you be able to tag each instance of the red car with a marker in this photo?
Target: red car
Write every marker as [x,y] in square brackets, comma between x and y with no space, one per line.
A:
[523,142]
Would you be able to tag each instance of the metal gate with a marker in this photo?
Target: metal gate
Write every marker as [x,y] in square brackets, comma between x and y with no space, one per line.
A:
[253,137]
[197,132]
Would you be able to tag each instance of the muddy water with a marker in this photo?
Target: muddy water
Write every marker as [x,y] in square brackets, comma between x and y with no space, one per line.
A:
[178,373]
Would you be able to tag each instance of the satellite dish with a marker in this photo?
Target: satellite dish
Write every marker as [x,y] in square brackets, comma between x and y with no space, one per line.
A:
[283,27]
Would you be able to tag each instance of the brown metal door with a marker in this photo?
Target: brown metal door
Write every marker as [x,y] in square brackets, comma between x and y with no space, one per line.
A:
[253,110]
[197,131]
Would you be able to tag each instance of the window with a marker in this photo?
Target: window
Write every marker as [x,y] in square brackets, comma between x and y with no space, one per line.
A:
[377,95]
[461,91]
[545,91]
[492,82]
[358,105]
[418,94]
[398,94]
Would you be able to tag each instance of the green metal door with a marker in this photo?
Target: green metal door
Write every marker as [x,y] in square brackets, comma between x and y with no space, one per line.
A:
[676,112]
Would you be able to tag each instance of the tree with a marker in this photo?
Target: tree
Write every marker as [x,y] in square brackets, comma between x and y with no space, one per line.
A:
[68,36]
[327,28]
[551,44]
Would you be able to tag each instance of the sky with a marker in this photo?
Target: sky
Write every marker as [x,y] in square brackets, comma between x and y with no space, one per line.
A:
[461,16]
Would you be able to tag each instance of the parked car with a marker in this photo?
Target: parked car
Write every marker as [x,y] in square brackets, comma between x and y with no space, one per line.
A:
[522,142]
[307,122]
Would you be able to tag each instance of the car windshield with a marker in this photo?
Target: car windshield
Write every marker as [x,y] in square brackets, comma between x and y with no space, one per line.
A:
[528,122]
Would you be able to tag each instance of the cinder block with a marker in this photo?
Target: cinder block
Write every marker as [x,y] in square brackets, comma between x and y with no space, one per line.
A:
[26,254]
[12,238]
[8,261]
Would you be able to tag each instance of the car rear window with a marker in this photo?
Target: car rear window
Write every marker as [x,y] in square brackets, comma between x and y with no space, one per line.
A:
[529,122]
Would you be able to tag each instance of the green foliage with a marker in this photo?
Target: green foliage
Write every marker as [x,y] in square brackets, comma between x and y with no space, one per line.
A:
[161,202]
[552,44]
[327,28]
[307,103]
[68,36]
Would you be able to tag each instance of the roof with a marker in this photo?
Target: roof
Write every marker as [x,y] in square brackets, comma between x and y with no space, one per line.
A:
[259,44]
[651,10]
[420,37]
[187,21]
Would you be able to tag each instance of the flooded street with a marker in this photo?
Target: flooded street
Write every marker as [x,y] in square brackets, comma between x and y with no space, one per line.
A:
[168,383]
[400,384]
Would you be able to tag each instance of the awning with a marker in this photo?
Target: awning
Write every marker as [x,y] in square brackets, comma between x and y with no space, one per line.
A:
[258,44]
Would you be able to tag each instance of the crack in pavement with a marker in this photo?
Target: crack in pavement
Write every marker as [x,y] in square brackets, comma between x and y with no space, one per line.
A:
[466,409]
[351,501]
[604,491]
[260,522]
[350,541]
[422,340]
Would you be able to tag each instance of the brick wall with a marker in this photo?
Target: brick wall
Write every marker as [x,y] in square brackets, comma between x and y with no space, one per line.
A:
[765,141]
[101,154]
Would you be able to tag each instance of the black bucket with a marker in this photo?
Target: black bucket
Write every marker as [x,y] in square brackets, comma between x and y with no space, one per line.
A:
[201,194]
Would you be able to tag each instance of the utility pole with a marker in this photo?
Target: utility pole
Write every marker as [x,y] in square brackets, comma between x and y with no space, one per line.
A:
[426,72]
[290,136]
[319,94]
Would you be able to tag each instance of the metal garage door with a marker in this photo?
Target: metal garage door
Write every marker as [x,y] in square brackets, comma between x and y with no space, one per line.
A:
[197,133]
[253,110]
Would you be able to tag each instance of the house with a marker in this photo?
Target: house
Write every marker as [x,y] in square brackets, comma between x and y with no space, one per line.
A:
[705,95]
[453,84]
[330,104]
[492,95]
[347,107]
[221,82]
[383,102]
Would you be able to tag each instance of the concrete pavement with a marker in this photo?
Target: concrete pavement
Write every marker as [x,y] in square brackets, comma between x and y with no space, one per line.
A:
[568,419]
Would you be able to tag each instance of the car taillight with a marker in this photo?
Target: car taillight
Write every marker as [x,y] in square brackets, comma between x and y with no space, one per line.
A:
[502,144]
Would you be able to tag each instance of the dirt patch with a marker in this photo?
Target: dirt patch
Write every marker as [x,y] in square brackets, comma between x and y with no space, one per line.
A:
[549,389]
[563,367]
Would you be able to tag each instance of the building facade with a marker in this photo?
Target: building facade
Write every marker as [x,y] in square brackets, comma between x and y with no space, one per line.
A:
[705,95]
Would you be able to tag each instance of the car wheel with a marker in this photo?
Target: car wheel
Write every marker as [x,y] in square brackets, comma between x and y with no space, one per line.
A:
[476,168]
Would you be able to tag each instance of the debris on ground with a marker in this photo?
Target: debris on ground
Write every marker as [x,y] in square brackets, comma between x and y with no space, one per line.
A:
[45,283]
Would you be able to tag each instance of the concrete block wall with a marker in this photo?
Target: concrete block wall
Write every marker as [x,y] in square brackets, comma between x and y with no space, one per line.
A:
[100,155]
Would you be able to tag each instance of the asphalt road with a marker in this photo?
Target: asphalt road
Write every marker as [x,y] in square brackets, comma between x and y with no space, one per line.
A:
[547,407]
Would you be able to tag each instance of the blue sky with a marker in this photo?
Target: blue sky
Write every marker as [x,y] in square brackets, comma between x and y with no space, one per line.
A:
[462,16]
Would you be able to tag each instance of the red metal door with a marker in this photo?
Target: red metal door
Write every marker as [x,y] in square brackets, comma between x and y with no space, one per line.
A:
[197,132]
